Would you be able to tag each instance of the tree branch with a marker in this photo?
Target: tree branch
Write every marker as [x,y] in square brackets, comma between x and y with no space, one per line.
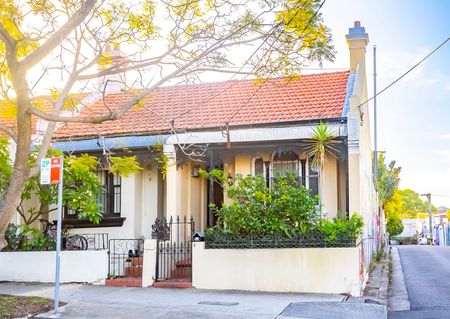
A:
[59,35]
[8,131]
[6,37]
[72,119]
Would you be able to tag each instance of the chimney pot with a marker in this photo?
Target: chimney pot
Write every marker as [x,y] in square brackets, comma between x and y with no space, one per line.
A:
[357,24]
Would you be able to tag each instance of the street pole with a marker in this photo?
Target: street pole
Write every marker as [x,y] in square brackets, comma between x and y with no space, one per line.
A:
[375,146]
[58,236]
[428,195]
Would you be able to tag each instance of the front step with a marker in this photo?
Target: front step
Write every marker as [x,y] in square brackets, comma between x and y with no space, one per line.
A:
[174,283]
[124,282]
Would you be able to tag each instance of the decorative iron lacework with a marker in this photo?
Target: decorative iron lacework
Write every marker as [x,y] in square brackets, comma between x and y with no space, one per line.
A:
[217,240]
[161,229]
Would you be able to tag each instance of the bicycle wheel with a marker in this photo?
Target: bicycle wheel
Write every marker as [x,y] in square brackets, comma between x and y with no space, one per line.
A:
[76,242]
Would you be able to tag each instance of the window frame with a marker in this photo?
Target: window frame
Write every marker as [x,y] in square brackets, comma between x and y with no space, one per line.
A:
[110,217]
[303,168]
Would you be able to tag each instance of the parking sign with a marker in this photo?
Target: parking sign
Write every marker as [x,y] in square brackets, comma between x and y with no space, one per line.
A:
[45,171]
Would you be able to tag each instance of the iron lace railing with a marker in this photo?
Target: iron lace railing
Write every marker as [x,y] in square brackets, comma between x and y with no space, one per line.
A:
[95,241]
[218,240]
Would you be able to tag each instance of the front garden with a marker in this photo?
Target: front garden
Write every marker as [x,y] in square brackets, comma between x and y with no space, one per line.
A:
[283,215]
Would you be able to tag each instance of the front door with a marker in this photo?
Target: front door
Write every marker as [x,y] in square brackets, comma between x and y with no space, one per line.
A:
[215,197]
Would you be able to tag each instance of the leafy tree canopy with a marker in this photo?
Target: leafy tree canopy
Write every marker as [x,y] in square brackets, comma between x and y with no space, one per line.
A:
[388,179]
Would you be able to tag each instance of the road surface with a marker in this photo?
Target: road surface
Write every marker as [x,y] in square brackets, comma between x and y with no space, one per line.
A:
[427,276]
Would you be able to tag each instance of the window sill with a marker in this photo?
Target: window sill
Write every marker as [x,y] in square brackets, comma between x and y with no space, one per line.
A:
[83,223]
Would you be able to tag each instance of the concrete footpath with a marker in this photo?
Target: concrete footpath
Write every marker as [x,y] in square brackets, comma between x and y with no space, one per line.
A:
[86,301]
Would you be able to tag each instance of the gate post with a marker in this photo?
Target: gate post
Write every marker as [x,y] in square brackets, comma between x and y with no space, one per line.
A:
[150,261]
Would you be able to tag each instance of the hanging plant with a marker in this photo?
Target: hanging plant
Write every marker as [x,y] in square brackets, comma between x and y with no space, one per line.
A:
[161,159]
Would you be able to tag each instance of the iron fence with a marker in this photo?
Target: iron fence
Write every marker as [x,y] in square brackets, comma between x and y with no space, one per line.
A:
[219,240]
[122,253]
[174,248]
[96,241]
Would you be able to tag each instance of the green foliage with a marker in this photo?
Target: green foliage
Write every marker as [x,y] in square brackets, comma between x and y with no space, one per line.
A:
[26,238]
[36,240]
[405,204]
[412,203]
[5,165]
[161,159]
[342,230]
[124,166]
[80,189]
[216,174]
[258,210]
[388,179]
[321,144]
[394,225]
[13,237]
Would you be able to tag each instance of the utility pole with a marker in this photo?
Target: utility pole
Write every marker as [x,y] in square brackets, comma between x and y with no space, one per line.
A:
[428,196]
[375,146]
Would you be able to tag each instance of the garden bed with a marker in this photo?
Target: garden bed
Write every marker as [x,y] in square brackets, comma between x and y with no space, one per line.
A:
[21,306]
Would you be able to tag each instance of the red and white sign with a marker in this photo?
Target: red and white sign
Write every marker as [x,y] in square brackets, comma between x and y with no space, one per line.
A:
[55,170]
[50,170]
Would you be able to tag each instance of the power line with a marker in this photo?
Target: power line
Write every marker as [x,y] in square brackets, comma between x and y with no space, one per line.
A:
[404,74]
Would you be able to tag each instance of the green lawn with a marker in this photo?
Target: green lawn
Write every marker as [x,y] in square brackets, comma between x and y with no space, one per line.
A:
[21,306]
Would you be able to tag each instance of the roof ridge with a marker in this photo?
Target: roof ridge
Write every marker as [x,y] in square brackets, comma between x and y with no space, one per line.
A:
[300,76]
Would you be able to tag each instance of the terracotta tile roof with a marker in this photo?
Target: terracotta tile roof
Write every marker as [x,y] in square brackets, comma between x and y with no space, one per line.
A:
[207,105]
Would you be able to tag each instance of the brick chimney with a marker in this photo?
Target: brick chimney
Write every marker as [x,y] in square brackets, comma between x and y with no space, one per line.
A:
[112,58]
[357,40]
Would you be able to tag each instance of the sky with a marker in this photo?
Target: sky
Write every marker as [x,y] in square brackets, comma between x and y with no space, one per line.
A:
[413,115]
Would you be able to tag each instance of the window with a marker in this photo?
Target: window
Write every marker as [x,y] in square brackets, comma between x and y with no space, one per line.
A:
[288,162]
[109,196]
[284,163]
[313,178]
[258,166]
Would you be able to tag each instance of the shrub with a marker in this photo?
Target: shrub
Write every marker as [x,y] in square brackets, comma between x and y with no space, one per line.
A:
[281,216]
[257,209]
[27,238]
[342,229]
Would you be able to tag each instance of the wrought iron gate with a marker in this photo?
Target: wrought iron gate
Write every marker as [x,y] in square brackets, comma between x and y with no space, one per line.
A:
[121,254]
[174,248]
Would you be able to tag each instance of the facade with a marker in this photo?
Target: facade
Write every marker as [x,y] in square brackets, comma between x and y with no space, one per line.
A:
[242,127]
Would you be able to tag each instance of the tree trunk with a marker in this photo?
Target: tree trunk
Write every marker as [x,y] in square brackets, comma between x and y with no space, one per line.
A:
[21,168]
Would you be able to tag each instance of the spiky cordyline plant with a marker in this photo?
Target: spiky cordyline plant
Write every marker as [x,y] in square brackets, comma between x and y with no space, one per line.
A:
[319,145]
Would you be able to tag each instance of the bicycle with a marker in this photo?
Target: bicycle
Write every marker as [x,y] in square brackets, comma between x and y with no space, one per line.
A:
[69,242]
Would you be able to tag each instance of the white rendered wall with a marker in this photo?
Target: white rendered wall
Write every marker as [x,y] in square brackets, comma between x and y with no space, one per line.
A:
[306,270]
[39,266]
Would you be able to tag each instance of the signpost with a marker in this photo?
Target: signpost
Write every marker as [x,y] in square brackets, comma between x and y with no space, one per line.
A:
[52,173]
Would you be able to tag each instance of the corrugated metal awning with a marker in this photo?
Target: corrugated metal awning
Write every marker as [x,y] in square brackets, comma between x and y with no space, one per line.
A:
[110,143]
[261,134]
